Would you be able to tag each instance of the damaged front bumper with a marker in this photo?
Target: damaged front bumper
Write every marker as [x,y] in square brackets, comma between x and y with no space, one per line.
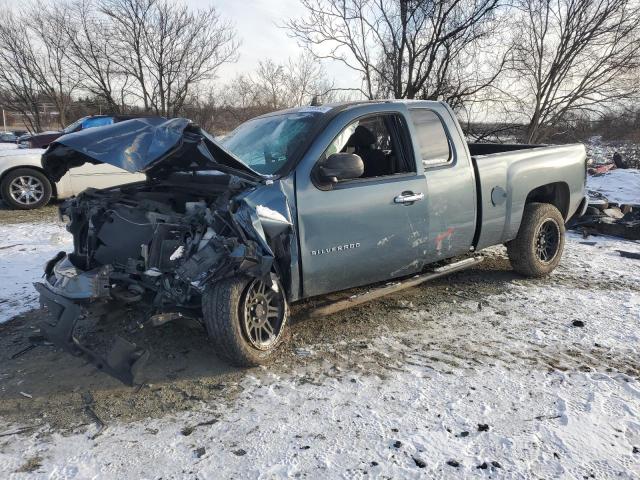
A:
[62,296]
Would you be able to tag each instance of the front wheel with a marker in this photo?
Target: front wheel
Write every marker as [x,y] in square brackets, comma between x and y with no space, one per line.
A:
[537,249]
[245,319]
[25,189]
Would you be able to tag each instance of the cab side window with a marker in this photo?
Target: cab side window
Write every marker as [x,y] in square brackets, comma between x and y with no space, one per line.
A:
[435,149]
[381,141]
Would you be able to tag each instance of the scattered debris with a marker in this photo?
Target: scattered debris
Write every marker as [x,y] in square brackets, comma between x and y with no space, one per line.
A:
[303,352]
[189,429]
[23,351]
[419,462]
[607,218]
[18,431]
[88,403]
[634,255]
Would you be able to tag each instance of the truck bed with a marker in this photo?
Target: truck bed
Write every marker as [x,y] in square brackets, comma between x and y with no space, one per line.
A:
[478,149]
[510,175]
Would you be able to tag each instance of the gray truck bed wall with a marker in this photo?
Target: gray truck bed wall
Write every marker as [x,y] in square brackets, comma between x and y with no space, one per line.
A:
[518,173]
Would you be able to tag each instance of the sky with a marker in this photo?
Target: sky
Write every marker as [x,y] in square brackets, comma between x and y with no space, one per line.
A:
[257,23]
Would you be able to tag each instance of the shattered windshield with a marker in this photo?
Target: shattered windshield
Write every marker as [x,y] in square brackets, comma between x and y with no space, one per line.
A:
[265,144]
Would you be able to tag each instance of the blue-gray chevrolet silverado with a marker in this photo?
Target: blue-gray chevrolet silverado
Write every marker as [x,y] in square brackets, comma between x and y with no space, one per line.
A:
[291,205]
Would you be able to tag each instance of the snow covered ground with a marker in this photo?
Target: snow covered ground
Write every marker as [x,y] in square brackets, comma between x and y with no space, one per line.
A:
[24,249]
[508,388]
[618,185]
[532,379]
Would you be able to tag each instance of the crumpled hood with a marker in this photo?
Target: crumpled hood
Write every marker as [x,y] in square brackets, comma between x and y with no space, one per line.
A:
[154,146]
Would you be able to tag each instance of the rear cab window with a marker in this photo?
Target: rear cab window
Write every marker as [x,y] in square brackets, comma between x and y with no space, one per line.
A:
[432,138]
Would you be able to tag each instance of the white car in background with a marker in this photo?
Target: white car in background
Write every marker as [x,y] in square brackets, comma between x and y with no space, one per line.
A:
[24,185]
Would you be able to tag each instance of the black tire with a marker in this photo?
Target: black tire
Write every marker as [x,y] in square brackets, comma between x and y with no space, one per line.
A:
[36,193]
[223,308]
[537,250]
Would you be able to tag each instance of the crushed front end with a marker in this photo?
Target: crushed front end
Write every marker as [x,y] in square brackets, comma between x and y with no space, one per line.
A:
[156,243]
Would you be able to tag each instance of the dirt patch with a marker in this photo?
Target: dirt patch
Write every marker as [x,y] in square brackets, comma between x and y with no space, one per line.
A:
[45,214]
[31,465]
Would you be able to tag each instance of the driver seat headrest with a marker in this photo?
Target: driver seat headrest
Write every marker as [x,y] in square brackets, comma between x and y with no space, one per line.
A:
[361,137]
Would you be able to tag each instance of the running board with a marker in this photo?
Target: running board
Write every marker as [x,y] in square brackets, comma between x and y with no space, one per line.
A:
[339,305]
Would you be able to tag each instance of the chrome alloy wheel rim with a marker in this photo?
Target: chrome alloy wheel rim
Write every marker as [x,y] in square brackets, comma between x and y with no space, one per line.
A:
[548,240]
[26,190]
[263,315]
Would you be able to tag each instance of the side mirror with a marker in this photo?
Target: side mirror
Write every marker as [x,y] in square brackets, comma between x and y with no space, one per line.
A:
[340,166]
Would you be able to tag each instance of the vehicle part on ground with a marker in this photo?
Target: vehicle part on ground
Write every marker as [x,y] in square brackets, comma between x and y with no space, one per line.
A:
[330,308]
[124,361]
[537,249]
[245,319]
[25,189]
[608,218]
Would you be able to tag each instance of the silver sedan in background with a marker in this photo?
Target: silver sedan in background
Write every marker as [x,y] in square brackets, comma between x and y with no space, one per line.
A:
[25,186]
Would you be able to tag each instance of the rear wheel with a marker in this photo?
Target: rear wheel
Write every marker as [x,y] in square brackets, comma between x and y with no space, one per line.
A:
[245,319]
[25,189]
[537,249]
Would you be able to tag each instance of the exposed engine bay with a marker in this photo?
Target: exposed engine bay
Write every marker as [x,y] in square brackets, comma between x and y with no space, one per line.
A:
[162,241]
[159,244]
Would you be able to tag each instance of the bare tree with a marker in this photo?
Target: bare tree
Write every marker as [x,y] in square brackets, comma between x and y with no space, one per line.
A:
[401,48]
[53,71]
[19,70]
[168,49]
[91,49]
[573,56]
[305,78]
[275,86]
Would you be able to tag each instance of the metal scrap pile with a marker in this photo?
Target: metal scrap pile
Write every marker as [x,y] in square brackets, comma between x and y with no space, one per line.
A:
[609,218]
[600,153]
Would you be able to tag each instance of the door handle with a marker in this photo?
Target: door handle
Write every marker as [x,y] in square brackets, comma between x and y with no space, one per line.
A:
[408,197]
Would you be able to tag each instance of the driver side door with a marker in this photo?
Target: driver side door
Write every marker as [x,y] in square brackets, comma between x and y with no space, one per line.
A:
[360,231]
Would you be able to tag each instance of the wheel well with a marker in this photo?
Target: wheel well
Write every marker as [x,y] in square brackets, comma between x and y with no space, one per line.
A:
[54,190]
[557,194]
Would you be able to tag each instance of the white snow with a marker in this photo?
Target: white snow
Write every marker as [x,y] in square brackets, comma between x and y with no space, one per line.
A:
[24,249]
[560,401]
[556,402]
[619,185]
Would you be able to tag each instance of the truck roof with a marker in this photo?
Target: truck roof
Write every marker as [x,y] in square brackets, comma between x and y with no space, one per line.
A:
[340,106]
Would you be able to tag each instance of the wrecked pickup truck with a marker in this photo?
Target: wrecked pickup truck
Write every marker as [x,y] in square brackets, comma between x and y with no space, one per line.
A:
[291,205]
